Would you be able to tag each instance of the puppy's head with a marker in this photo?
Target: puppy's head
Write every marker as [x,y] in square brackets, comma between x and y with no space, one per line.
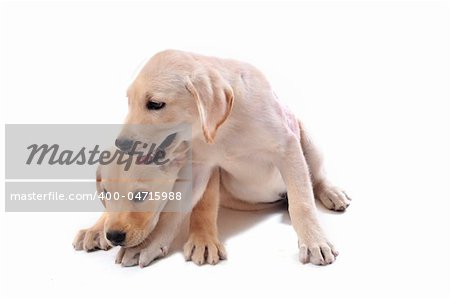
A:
[177,88]
[129,197]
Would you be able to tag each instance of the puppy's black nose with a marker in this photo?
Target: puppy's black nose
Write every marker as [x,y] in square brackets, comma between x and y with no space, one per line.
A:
[116,237]
[124,144]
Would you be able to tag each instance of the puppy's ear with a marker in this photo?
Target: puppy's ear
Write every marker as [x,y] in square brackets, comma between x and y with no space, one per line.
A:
[214,98]
[98,184]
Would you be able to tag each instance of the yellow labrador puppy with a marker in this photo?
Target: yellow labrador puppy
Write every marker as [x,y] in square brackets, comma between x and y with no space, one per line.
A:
[139,202]
[247,147]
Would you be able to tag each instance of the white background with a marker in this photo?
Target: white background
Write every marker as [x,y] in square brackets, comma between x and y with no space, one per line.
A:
[369,79]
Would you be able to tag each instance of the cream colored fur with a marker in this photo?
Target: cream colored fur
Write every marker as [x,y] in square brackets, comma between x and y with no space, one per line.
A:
[247,148]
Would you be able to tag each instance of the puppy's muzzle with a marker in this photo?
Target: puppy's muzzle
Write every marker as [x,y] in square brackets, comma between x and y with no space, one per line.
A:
[116,237]
[124,144]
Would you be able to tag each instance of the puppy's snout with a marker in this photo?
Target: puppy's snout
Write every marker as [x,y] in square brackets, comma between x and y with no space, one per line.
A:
[116,237]
[124,144]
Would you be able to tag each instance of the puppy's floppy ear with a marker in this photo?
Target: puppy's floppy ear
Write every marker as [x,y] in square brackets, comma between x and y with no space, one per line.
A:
[214,98]
[98,184]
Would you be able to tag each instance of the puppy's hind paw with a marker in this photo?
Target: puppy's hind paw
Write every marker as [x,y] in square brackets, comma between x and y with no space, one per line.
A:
[332,197]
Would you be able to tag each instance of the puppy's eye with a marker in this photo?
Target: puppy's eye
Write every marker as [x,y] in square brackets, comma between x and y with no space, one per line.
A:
[154,105]
[139,196]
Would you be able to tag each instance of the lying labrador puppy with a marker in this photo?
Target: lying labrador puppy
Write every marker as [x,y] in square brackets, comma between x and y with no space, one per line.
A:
[132,213]
[247,147]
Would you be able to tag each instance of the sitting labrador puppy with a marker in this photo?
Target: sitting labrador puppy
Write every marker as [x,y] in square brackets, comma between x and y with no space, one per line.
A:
[247,147]
[139,201]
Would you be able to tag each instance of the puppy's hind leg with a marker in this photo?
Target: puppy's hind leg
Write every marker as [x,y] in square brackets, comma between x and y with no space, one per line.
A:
[332,197]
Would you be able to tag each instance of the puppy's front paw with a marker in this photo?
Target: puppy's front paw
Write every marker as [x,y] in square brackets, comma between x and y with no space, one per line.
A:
[204,249]
[332,197]
[318,253]
[90,240]
[134,256]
